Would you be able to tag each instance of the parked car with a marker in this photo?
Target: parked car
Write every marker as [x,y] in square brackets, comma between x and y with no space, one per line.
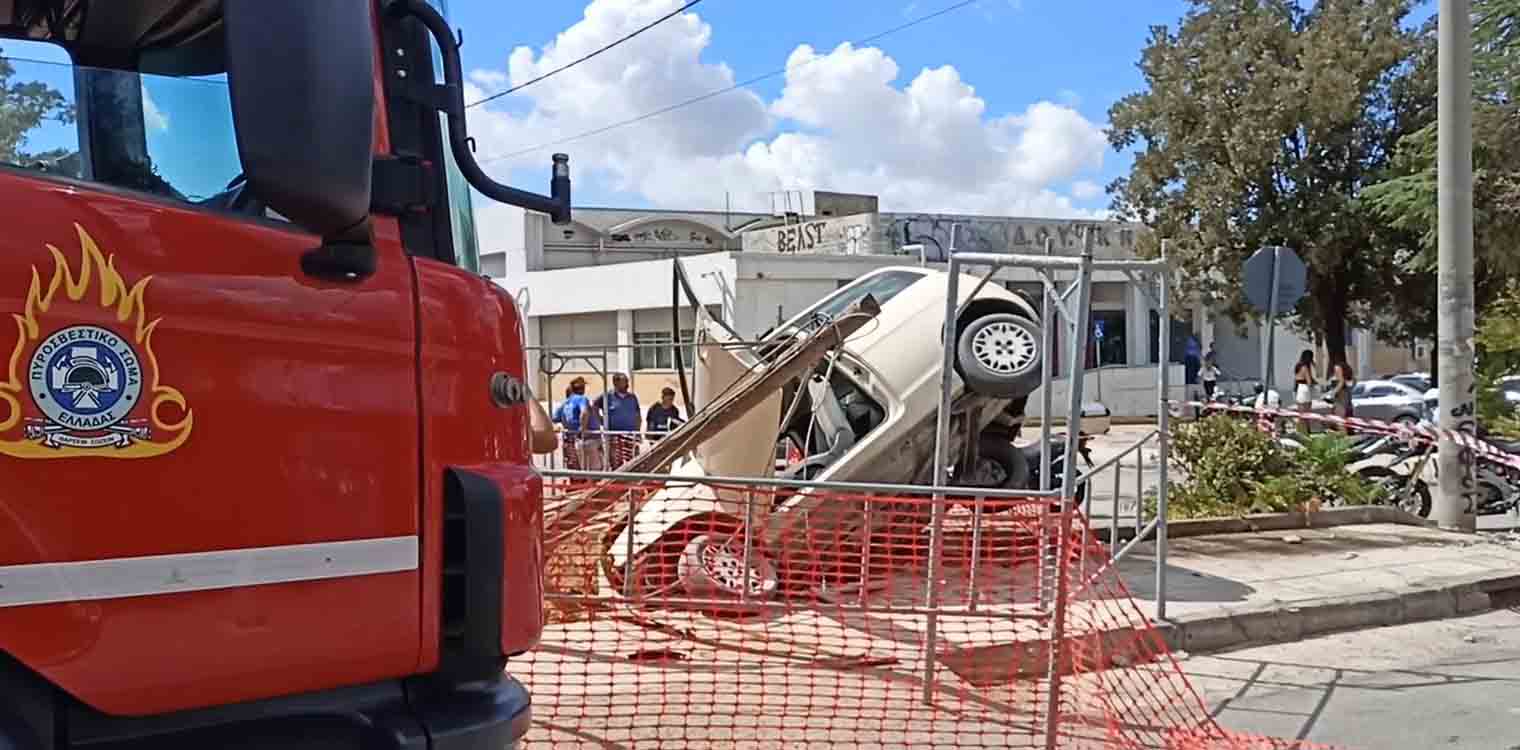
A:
[1509,387]
[867,414]
[1388,401]
[1420,381]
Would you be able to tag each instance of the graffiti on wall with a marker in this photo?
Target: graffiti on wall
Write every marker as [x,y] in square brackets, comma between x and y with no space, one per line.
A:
[843,235]
[1110,239]
[663,234]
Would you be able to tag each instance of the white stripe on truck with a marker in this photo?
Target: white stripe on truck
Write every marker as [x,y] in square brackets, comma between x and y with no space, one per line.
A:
[48,583]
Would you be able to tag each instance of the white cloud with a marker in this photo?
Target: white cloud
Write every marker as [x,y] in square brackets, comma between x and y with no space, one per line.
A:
[1086,190]
[154,118]
[843,121]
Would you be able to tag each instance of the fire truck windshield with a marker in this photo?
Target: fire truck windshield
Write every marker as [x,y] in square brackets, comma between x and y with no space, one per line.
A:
[461,211]
[166,135]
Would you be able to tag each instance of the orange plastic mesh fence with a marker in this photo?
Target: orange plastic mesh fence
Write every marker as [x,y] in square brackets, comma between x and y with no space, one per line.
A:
[671,636]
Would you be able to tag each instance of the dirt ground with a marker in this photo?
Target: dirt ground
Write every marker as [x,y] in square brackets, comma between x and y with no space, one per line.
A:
[841,675]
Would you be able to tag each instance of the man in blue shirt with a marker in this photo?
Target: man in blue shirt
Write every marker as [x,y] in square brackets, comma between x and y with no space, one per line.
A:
[622,409]
[583,427]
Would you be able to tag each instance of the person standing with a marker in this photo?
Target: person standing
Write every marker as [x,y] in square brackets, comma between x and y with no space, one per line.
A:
[1303,386]
[622,409]
[1209,374]
[664,415]
[583,427]
[1342,380]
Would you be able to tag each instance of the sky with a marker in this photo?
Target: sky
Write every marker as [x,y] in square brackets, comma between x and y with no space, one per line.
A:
[997,107]
[992,106]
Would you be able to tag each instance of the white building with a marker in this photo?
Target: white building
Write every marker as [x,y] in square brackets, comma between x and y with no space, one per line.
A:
[598,292]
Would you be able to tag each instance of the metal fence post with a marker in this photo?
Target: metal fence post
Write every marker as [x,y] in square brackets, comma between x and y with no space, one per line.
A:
[1163,437]
[1068,487]
[1047,376]
[941,476]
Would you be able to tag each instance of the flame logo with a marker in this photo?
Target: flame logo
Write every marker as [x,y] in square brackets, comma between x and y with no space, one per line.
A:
[129,305]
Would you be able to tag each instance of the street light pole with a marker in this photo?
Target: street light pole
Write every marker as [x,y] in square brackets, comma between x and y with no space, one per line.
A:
[1454,329]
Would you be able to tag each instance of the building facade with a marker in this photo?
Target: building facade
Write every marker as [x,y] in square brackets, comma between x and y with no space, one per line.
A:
[597,293]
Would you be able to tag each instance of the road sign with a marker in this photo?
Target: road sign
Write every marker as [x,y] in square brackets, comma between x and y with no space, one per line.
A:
[1291,275]
[1276,280]
[1098,329]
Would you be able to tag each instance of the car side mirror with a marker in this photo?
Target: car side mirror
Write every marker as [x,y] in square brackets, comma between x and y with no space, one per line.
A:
[301,78]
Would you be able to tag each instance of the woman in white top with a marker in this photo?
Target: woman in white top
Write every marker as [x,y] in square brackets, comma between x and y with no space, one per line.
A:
[1209,374]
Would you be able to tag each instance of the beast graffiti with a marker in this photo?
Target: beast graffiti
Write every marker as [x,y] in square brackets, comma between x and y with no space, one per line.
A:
[844,235]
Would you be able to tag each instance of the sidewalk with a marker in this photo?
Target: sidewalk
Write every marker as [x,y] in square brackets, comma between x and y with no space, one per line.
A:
[1227,590]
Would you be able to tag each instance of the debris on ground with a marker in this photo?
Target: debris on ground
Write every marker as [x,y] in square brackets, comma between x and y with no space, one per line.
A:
[1293,539]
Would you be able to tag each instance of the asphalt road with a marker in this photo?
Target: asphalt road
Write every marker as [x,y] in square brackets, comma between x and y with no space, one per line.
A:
[1443,684]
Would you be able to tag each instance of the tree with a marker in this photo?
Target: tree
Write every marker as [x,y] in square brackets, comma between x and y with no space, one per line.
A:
[24,106]
[1406,197]
[1261,123]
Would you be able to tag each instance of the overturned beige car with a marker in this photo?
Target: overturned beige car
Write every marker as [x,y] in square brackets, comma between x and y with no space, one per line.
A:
[866,413]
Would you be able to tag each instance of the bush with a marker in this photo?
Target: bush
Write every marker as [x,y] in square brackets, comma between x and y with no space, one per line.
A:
[1230,469]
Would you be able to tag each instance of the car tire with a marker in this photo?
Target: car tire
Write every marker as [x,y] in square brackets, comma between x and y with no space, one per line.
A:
[1406,420]
[714,567]
[999,355]
[1001,467]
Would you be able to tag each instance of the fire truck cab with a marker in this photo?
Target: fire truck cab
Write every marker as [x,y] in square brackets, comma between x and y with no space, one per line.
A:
[264,452]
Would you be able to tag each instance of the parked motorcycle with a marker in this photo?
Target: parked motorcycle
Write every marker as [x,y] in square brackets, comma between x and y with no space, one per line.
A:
[1003,465]
[1407,471]
[1401,471]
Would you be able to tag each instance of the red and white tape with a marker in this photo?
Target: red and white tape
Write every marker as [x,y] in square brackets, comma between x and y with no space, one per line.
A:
[1422,432]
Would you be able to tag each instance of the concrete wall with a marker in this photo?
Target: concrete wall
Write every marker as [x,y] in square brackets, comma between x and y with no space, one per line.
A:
[991,234]
[1126,391]
[841,235]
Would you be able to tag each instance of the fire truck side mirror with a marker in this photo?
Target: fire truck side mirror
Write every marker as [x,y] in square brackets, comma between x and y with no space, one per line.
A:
[301,76]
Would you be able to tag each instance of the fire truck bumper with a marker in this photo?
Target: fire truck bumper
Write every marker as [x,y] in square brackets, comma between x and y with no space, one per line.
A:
[476,718]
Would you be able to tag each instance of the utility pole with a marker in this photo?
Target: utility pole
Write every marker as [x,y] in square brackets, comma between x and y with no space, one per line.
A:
[1454,329]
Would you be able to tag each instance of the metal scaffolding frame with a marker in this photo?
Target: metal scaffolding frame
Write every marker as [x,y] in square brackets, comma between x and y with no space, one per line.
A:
[1075,315]
[1069,304]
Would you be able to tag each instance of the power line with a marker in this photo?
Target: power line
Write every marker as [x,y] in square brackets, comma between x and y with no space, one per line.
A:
[573,63]
[719,92]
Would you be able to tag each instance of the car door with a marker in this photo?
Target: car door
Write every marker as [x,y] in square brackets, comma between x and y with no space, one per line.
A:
[208,459]
[1380,402]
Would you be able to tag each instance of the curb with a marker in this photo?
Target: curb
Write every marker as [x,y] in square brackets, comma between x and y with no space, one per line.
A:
[1126,646]
[1322,519]
[1454,597]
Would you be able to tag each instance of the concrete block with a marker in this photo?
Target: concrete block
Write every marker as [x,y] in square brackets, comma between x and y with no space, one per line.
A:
[1347,613]
[1270,625]
[1204,634]
[1470,600]
[1435,604]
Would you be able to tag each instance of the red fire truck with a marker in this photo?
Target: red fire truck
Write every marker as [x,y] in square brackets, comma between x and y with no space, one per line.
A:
[264,467]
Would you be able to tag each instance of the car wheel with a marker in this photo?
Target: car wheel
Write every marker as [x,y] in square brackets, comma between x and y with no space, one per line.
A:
[701,558]
[1406,420]
[999,355]
[999,466]
[714,567]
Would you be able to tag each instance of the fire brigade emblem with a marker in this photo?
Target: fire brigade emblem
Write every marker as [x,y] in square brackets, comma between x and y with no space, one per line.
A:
[94,389]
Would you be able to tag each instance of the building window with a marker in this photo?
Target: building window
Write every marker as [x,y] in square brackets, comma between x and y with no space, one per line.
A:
[1181,334]
[652,350]
[1108,341]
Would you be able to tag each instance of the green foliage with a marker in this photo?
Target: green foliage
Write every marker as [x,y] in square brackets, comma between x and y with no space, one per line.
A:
[1233,469]
[1405,197]
[23,106]
[1261,122]
[1498,341]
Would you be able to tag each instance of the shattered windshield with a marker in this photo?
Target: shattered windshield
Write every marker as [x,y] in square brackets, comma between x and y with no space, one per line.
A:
[882,287]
